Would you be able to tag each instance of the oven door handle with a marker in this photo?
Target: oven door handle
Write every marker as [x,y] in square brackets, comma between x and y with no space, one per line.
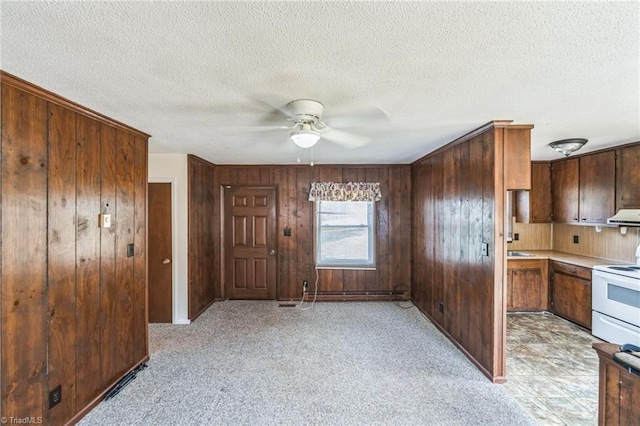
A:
[620,281]
[613,324]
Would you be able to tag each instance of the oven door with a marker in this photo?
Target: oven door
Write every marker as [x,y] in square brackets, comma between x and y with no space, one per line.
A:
[614,331]
[616,296]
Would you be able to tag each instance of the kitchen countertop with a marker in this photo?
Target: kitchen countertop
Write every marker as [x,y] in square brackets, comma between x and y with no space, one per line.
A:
[574,259]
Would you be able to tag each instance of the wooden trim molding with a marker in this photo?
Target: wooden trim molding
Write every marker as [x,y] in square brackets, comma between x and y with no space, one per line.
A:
[18,83]
[494,124]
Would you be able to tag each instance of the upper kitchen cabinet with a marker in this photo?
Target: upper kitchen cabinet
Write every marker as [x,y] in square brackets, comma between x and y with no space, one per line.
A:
[628,177]
[517,156]
[597,187]
[565,190]
[583,188]
[534,206]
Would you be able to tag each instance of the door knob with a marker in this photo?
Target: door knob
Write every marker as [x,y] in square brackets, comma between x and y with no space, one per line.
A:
[166,262]
[272,252]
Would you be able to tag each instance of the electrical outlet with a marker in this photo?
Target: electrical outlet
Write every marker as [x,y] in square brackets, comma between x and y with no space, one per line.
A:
[576,239]
[441,307]
[516,236]
[305,285]
[485,249]
[55,396]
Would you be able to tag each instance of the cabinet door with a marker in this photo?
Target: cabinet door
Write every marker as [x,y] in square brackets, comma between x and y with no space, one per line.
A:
[527,290]
[534,206]
[509,290]
[628,177]
[571,298]
[620,402]
[597,187]
[540,197]
[565,190]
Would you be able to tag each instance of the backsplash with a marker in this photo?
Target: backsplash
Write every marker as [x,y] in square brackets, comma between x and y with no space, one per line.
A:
[608,244]
[531,236]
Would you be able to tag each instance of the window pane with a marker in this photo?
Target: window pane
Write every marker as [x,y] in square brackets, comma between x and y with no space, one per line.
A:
[343,213]
[344,243]
[344,234]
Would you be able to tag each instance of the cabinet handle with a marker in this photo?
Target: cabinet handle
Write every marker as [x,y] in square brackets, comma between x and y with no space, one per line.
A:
[575,218]
[584,218]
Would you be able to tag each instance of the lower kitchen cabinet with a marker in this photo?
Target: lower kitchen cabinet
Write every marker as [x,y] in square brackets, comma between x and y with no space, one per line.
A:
[527,285]
[619,390]
[570,292]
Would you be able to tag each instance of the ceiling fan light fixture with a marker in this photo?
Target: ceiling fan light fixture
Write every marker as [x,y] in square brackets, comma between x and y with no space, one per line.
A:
[568,146]
[305,138]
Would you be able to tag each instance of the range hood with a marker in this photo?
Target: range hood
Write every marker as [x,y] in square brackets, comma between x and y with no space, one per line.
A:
[625,217]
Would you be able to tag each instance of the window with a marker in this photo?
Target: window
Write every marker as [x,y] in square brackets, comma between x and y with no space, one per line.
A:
[345,234]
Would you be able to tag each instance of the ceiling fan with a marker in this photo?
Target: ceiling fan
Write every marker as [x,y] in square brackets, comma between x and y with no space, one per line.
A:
[308,125]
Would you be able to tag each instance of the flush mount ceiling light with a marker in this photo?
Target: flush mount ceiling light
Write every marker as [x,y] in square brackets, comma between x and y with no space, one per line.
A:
[305,136]
[568,146]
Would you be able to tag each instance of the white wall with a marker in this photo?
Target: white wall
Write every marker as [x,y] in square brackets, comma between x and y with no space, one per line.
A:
[172,168]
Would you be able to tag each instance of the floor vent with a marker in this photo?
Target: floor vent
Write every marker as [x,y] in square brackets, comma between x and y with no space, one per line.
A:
[124,381]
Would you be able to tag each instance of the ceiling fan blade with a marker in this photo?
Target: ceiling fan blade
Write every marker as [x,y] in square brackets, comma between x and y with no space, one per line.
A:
[231,130]
[277,108]
[359,117]
[346,139]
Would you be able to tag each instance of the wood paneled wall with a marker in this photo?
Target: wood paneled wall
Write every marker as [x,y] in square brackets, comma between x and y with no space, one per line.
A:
[296,253]
[73,304]
[458,196]
[607,244]
[202,247]
[532,236]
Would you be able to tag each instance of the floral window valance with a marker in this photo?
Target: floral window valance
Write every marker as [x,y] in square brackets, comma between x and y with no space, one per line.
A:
[349,191]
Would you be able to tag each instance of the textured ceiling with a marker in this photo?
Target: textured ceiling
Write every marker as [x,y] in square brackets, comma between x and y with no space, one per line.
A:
[196,75]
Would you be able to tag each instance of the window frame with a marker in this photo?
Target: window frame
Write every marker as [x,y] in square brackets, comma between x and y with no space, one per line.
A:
[370,264]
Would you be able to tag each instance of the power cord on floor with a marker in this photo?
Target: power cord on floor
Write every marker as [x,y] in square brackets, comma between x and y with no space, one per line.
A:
[398,302]
[315,295]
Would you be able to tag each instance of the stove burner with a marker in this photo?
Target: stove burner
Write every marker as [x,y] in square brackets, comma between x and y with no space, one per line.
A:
[622,268]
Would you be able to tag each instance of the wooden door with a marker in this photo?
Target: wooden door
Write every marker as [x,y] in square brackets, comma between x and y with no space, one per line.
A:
[597,187]
[250,243]
[571,298]
[541,193]
[160,259]
[527,289]
[564,189]
[534,206]
[628,176]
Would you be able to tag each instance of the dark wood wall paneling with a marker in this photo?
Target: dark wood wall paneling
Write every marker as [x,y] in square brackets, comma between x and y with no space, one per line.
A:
[453,215]
[202,246]
[296,253]
[24,254]
[73,304]
[458,197]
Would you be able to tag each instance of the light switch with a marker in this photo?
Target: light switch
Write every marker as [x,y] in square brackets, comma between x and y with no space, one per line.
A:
[104,220]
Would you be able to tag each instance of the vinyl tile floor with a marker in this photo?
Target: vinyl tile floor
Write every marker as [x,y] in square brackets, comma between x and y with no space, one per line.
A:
[552,370]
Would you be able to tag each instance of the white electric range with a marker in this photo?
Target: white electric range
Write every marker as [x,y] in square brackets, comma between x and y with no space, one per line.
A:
[616,303]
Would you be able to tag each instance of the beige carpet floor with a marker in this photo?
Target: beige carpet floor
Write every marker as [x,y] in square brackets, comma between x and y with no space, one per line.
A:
[255,363]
